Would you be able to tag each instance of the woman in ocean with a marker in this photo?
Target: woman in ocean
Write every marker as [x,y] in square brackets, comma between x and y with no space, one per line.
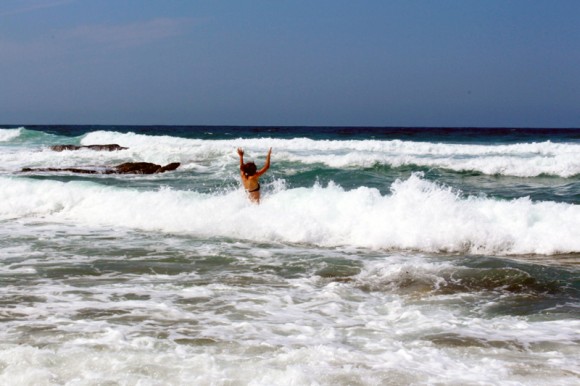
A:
[250,177]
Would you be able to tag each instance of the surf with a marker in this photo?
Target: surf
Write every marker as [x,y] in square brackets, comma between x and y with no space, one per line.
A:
[517,160]
[7,135]
[520,160]
[417,215]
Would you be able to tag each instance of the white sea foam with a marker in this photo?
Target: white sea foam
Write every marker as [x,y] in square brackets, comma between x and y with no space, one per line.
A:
[523,159]
[7,135]
[119,285]
[302,332]
[417,215]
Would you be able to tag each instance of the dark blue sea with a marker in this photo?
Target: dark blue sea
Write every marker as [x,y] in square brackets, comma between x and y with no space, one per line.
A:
[377,256]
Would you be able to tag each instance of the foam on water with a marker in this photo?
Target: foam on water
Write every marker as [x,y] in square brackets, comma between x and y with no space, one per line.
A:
[7,135]
[523,160]
[120,281]
[177,329]
[417,215]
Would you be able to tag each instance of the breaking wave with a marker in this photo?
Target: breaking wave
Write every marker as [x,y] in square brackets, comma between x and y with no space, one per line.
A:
[416,215]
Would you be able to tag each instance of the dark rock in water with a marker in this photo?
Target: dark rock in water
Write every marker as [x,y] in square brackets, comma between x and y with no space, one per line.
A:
[144,168]
[111,147]
[169,167]
[72,170]
[126,168]
[137,168]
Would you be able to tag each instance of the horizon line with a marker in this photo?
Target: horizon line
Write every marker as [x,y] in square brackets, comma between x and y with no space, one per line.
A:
[17,125]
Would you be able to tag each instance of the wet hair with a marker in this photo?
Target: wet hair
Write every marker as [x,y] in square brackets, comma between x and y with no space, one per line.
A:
[249,168]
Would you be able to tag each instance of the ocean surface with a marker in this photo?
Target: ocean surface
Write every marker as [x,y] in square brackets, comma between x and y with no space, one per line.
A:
[378,256]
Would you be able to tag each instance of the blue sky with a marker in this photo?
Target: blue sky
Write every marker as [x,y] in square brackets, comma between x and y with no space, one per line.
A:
[265,62]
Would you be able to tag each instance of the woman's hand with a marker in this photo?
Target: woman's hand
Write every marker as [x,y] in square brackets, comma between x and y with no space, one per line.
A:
[240,152]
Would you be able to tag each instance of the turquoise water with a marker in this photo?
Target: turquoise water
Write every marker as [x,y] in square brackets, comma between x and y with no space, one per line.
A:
[377,256]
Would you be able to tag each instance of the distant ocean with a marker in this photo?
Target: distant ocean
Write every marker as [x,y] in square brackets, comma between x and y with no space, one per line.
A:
[378,256]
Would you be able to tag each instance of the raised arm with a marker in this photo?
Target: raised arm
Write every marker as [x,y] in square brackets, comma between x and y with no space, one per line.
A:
[241,154]
[266,165]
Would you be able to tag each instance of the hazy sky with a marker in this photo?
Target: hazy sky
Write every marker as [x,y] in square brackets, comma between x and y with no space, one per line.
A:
[294,62]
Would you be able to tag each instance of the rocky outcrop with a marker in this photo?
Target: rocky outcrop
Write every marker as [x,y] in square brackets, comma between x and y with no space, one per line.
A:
[126,168]
[144,168]
[111,147]
[57,170]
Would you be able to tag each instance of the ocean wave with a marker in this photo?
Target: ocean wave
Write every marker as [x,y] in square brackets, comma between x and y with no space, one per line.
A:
[7,135]
[417,215]
[520,160]
[448,279]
